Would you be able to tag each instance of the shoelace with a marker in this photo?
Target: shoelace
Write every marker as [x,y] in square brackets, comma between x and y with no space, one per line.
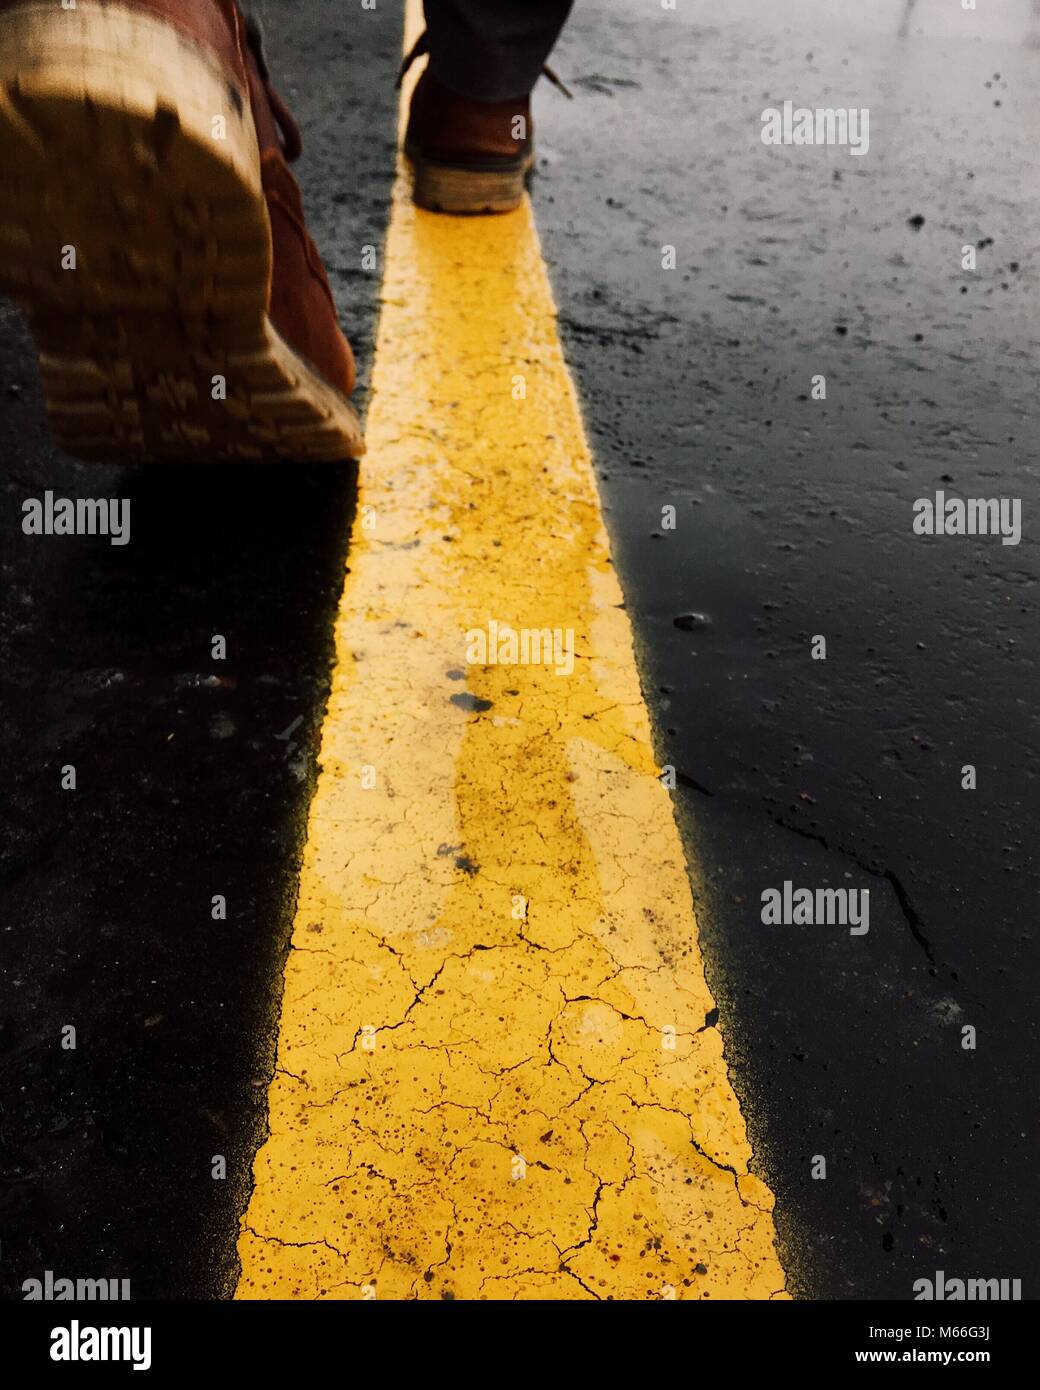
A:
[422,46]
[292,141]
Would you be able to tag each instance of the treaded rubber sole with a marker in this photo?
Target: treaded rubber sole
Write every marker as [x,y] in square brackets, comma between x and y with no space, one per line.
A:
[456,189]
[135,235]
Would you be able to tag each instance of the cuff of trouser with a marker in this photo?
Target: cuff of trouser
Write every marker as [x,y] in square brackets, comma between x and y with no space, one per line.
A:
[488,73]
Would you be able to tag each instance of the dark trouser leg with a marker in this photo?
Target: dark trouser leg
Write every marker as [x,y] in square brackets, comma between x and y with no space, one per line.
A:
[492,50]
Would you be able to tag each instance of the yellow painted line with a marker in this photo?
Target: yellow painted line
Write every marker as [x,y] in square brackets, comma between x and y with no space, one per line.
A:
[493,1078]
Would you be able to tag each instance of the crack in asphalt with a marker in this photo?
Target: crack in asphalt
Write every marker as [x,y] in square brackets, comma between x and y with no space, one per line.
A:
[913,919]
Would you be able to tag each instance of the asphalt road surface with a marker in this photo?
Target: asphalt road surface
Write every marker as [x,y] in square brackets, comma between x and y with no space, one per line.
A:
[793,520]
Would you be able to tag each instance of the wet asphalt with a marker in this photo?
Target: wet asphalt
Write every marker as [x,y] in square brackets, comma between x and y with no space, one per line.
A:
[793,520]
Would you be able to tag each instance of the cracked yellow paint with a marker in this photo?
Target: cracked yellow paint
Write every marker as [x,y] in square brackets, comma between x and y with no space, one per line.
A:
[494,1077]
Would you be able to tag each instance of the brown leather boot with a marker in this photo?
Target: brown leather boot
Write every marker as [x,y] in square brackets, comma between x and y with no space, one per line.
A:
[152,231]
[467,156]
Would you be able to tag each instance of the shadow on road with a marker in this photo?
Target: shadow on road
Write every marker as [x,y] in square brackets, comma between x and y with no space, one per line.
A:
[192,778]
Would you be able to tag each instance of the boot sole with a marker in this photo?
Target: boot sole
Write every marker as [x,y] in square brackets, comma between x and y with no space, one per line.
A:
[131,157]
[460,190]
